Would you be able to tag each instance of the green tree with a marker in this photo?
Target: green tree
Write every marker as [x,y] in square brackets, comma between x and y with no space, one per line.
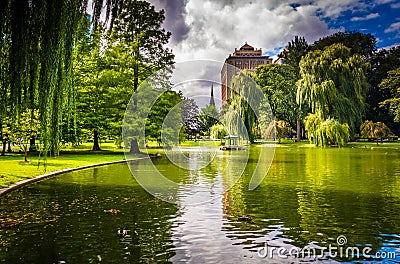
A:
[334,85]
[36,44]
[218,131]
[359,43]
[190,116]
[139,40]
[26,127]
[279,128]
[158,126]
[293,52]
[373,130]
[208,117]
[391,85]
[326,132]
[278,83]
[292,55]
[381,62]
[240,112]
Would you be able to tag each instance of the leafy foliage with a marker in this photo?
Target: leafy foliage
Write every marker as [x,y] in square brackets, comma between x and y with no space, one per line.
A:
[161,128]
[240,113]
[381,62]
[26,127]
[279,128]
[327,132]
[333,84]
[391,84]
[218,131]
[373,130]
[208,117]
[278,82]
[294,51]
[359,43]
[190,116]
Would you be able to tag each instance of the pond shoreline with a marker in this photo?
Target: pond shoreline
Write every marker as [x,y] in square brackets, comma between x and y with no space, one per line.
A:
[22,183]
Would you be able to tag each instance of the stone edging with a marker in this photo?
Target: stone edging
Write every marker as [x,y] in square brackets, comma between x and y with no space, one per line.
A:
[20,184]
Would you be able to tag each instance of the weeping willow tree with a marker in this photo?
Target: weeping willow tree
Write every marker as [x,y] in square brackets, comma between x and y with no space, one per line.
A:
[327,132]
[375,131]
[36,43]
[334,85]
[240,117]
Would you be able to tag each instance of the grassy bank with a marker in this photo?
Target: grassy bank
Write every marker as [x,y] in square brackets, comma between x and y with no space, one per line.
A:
[14,169]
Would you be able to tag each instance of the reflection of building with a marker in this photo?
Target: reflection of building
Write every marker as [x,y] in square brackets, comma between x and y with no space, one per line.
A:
[246,58]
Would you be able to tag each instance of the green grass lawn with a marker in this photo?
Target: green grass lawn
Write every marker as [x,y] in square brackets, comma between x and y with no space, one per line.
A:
[14,169]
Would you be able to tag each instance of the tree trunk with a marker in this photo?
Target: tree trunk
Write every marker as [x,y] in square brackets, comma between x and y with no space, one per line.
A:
[3,151]
[96,146]
[298,129]
[32,144]
[134,149]
[26,154]
[135,83]
[9,150]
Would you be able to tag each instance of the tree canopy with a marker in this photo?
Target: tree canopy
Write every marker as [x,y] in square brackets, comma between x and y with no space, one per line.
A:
[334,85]
[359,43]
[278,82]
[392,85]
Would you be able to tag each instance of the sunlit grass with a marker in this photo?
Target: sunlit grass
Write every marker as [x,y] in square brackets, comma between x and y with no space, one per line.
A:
[14,169]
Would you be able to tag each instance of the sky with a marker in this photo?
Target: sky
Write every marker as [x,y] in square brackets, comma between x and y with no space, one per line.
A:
[212,29]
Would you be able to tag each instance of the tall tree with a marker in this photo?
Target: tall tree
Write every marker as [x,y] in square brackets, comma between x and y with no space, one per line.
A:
[208,117]
[165,120]
[391,84]
[140,39]
[381,62]
[293,52]
[278,83]
[190,116]
[240,114]
[292,55]
[334,85]
[359,43]
[36,43]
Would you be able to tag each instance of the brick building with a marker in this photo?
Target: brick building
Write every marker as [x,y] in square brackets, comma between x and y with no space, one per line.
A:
[245,58]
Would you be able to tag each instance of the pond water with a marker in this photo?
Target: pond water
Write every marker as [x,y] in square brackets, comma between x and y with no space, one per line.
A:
[309,198]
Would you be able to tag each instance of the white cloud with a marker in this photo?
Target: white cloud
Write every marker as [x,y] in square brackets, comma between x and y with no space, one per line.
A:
[216,28]
[395,27]
[391,46]
[367,17]
[395,5]
[381,2]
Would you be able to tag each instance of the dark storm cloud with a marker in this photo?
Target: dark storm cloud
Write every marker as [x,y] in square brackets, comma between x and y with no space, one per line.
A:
[174,18]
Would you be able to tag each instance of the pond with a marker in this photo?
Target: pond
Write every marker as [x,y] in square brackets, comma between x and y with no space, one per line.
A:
[309,199]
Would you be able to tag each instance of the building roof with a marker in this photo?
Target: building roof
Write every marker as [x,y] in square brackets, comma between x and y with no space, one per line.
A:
[247,57]
[246,47]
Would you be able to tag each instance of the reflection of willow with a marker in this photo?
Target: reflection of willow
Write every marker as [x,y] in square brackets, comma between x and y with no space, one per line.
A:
[316,209]
[333,201]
